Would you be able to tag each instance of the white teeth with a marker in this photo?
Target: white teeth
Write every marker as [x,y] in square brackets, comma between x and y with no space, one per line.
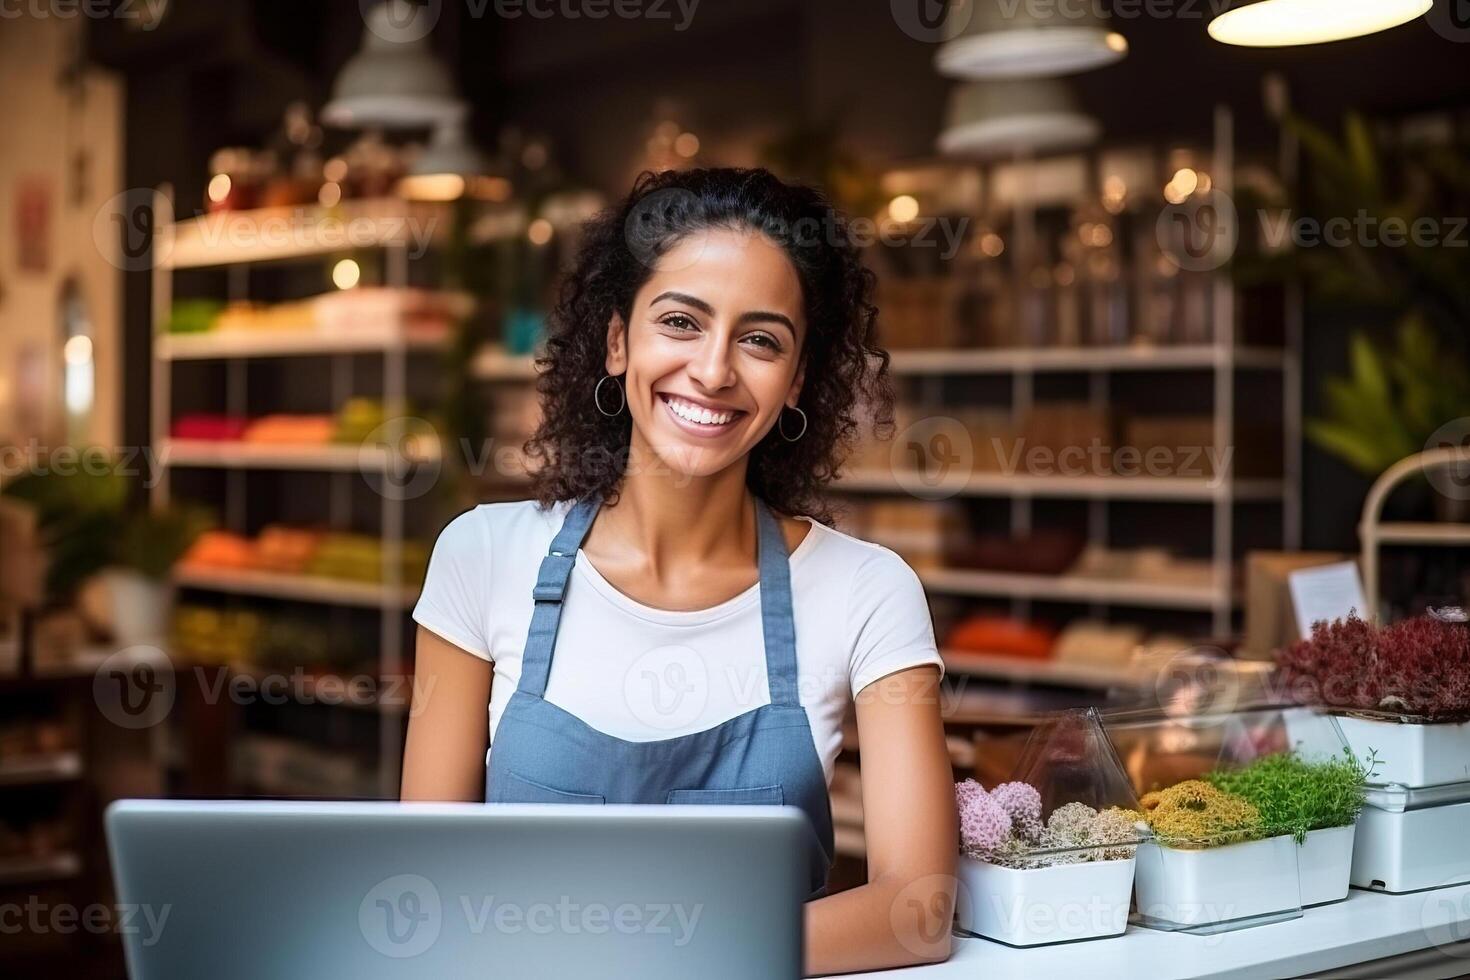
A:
[698,414]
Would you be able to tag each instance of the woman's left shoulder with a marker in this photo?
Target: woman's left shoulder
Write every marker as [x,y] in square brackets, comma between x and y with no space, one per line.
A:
[841,549]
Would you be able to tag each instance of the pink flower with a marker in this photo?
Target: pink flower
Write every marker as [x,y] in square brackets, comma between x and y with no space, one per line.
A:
[1022,803]
[984,823]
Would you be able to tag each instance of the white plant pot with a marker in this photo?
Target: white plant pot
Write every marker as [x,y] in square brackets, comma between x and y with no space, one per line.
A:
[139,607]
[1325,862]
[1412,755]
[1035,906]
[1404,851]
[1210,886]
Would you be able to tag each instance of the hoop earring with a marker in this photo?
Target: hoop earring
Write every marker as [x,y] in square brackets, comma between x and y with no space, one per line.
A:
[781,424]
[597,397]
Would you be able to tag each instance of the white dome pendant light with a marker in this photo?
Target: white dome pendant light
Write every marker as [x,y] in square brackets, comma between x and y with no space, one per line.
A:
[1023,39]
[989,120]
[444,170]
[394,81]
[1281,23]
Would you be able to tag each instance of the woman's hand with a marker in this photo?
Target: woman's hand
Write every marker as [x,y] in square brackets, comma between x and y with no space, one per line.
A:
[448,728]
[902,915]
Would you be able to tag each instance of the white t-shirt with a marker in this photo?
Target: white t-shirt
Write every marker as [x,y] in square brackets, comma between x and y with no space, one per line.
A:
[642,673]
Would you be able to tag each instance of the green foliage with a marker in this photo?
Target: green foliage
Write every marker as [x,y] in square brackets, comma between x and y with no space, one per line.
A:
[1295,796]
[1393,401]
[78,507]
[151,541]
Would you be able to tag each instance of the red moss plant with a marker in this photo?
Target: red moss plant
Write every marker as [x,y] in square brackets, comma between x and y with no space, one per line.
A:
[1417,669]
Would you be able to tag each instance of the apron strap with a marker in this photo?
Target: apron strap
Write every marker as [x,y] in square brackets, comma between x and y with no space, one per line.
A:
[551,587]
[777,623]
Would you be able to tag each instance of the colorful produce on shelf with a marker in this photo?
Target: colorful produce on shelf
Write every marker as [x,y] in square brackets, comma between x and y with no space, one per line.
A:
[359,557]
[1416,668]
[1004,827]
[1296,796]
[220,549]
[304,551]
[210,427]
[215,636]
[194,315]
[365,309]
[1000,635]
[1195,814]
[286,549]
[291,430]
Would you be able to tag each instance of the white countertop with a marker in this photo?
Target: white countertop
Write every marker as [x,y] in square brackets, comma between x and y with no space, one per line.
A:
[1366,926]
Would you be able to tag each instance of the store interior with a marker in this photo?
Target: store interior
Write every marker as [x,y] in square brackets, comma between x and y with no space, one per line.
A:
[1165,315]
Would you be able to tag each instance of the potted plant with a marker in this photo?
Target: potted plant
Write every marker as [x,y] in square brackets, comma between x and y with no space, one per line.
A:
[136,582]
[1212,862]
[1403,693]
[1318,802]
[1025,881]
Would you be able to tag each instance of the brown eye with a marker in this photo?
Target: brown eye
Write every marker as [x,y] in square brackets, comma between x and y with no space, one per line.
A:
[679,322]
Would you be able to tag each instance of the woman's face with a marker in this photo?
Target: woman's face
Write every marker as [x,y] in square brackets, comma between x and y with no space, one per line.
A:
[711,352]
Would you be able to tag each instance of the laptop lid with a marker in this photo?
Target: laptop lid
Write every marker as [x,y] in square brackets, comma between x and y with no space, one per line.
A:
[229,889]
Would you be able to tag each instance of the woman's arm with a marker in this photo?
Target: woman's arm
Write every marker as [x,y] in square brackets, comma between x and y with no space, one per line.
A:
[448,728]
[902,915]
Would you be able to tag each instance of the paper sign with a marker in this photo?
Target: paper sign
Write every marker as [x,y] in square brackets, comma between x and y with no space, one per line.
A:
[1325,592]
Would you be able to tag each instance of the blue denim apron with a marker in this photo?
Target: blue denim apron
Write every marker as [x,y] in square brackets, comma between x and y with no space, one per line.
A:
[544,754]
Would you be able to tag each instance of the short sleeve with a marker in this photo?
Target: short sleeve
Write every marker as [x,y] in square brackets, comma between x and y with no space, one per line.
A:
[889,615]
[452,604]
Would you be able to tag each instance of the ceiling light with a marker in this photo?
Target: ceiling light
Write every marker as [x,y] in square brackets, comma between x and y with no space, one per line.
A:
[395,81]
[997,39]
[1279,23]
[997,119]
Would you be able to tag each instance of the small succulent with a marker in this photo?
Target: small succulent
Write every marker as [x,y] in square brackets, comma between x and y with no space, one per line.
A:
[1194,814]
[1004,827]
[1417,667]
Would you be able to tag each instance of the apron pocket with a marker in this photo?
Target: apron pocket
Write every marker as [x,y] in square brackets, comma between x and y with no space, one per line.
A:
[757,796]
[523,790]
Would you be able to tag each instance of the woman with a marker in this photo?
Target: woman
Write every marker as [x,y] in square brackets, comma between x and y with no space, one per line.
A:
[670,620]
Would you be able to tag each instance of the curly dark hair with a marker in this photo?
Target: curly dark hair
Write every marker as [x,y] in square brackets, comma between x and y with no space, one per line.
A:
[577,451]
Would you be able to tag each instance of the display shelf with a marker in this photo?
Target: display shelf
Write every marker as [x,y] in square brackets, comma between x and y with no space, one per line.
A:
[227,344]
[1374,532]
[318,457]
[301,588]
[1007,360]
[494,364]
[1143,593]
[1054,673]
[990,484]
[297,232]
[31,870]
[1409,532]
[51,767]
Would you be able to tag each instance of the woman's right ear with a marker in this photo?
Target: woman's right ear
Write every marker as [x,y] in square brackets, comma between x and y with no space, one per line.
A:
[617,345]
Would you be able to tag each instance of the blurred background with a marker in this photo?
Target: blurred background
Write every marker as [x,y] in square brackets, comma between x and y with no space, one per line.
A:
[1162,302]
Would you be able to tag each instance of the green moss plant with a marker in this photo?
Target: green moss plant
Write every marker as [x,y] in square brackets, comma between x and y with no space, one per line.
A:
[1295,796]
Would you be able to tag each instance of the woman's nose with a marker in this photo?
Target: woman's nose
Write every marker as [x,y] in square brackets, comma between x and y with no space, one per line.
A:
[712,367]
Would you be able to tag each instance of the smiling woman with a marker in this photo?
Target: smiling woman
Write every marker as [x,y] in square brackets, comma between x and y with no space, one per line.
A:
[670,620]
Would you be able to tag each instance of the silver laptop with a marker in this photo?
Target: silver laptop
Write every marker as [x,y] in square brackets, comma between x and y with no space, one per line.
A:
[275,890]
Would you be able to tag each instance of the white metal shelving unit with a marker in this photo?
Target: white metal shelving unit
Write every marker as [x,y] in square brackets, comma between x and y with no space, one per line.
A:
[1224,360]
[236,241]
[1374,532]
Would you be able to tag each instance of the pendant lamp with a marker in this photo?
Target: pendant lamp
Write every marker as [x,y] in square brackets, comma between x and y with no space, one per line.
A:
[444,169]
[1007,118]
[1279,23]
[1025,39]
[394,81]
